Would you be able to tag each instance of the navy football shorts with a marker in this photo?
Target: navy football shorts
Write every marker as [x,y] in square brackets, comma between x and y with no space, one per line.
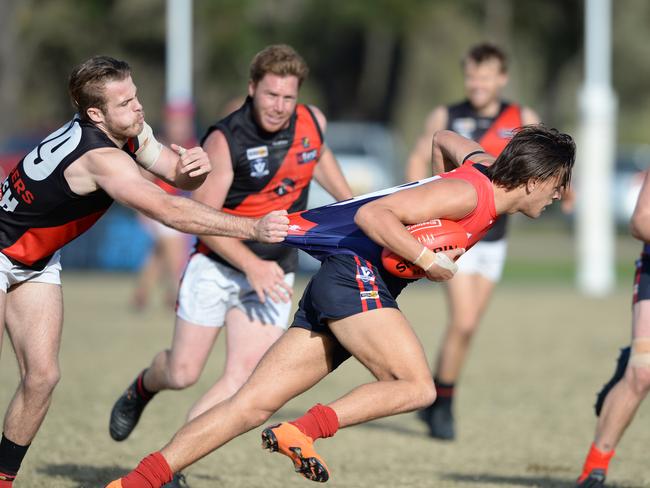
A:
[344,285]
[642,279]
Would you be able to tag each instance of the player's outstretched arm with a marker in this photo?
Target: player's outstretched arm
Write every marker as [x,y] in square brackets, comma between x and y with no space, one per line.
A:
[116,173]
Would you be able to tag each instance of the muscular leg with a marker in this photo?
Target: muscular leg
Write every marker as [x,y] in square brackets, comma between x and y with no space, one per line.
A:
[246,342]
[468,296]
[34,316]
[297,361]
[384,342]
[180,367]
[624,399]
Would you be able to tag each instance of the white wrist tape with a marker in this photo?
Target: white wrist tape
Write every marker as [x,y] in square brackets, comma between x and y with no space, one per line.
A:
[428,258]
[149,148]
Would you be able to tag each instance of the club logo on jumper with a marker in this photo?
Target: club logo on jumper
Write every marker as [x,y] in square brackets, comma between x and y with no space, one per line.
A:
[259,161]
[307,156]
[464,126]
[369,295]
[305,142]
[365,274]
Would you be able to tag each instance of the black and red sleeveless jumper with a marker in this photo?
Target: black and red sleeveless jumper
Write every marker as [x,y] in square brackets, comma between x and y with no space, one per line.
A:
[492,133]
[39,213]
[272,171]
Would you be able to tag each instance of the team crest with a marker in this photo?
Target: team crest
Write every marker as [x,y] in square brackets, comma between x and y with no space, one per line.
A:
[305,142]
[259,161]
[365,274]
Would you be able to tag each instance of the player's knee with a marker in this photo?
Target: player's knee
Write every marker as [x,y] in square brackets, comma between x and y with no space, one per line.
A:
[41,380]
[423,393]
[181,376]
[465,327]
[427,394]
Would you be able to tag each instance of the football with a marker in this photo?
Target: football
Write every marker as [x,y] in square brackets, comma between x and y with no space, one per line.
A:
[438,235]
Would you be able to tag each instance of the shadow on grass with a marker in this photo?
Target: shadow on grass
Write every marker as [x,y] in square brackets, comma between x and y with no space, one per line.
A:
[86,476]
[96,476]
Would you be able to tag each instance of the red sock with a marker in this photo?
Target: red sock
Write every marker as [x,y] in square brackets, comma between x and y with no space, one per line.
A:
[319,421]
[152,472]
[596,459]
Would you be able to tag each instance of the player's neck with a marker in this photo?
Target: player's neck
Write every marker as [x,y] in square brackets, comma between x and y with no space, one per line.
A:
[491,109]
[507,201]
[119,142]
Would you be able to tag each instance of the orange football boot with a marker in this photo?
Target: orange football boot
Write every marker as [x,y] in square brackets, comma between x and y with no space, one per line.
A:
[115,484]
[287,439]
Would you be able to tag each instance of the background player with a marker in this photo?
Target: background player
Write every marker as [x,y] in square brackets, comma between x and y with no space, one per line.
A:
[618,402]
[59,190]
[349,306]
[488,119]
[264,155]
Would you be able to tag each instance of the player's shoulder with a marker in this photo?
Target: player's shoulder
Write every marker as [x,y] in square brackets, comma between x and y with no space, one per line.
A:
[318,114]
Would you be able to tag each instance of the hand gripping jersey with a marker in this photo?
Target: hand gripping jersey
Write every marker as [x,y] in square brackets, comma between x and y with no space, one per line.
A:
[492,133]
[272,171]
[39,213]
[331,229]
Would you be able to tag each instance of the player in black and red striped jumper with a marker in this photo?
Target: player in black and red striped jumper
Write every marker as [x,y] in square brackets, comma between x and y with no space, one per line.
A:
[264,155]
[59,190]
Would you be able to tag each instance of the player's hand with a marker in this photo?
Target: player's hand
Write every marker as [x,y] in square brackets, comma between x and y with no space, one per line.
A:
[193,162]
[273,227]
[267,279]
[444,268]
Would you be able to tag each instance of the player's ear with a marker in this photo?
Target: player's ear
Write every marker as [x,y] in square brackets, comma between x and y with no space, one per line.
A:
[530,185]
[251,88]
[95,115]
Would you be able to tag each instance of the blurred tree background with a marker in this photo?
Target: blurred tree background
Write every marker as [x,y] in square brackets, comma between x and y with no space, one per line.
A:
[389,61]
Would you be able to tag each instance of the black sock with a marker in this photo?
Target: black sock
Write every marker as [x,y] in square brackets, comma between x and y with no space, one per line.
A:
[142,390]
[445,392]
[11,456]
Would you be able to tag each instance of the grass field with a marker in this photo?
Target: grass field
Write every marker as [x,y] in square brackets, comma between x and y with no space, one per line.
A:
[524,407]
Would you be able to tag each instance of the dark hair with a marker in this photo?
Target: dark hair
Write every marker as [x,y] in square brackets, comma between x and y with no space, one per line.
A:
[534,153]
[479,53]
[87,81]
[278,59]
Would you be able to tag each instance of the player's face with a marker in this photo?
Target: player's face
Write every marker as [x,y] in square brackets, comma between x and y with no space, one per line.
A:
[484,82]
[274,100]
[123,115]
[540,195]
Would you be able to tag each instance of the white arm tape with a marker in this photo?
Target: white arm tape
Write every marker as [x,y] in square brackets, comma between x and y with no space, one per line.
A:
[149,148]
[428,258]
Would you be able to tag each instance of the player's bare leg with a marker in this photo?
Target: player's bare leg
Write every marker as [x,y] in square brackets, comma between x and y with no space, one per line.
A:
[34,315]
[297,361]
[623,400]
[246,342]
[468,297]
[176,368]
[383,341]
